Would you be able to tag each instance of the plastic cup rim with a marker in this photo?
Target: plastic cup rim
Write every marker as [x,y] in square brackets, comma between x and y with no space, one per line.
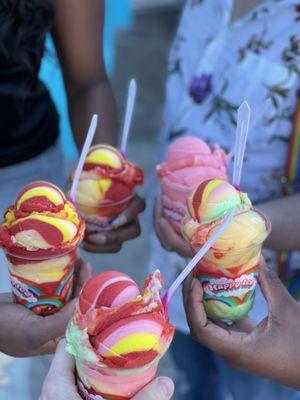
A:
[259,243]
[239,249]
[41,257]
[113,204]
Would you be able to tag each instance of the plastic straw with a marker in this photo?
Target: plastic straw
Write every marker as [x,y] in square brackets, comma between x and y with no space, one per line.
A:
[87,144]
[128,115]
[194,261]
[243,121]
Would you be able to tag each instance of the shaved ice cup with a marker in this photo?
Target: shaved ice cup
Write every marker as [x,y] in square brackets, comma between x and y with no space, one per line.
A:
[229,279]
[96,384]
[42,283]
[100,218]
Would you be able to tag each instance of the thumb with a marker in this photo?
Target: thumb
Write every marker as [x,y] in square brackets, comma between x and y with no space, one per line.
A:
[161,388]
[60,381]
[83,272]
[273,290]
[63,364]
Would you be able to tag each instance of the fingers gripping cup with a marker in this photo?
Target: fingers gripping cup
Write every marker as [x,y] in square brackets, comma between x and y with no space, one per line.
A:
[40,235]
[189,161]
[106,187]
[118,335]
[229,271]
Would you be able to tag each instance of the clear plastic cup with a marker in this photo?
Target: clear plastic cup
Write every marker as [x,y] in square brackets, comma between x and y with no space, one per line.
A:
[100,218]
[111,383]
[42,283]
[229,278]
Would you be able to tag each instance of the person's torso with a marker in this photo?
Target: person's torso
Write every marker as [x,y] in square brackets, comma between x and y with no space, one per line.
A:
[214,65]
[29,121]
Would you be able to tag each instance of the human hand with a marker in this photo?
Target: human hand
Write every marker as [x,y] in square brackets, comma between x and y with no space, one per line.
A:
[168,238]
[161,388]
[125,227]
[270,349]
[60,381]
[24,334]
[82,273]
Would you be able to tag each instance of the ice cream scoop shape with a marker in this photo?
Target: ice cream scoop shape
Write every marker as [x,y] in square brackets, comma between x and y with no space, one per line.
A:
[41,222]
[40,197]
[214,198]
[189,161]
[107,177]
[118,332]
[209,204]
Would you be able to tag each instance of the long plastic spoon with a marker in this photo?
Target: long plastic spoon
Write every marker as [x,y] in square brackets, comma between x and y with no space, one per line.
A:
[128,115]
[256,120]
[243,122]
[87,144]
[194,261]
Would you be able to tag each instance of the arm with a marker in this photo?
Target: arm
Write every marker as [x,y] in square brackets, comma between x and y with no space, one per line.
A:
[78,37]
[25,334]
[271,349]
[284,215]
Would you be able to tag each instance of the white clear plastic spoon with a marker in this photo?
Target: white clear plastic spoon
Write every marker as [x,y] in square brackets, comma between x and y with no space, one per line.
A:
[194,261]
[128,115]
[253,125]
[87,144]
[242,130]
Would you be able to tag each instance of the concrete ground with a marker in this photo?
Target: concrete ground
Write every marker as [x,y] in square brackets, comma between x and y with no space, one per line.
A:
[141,53]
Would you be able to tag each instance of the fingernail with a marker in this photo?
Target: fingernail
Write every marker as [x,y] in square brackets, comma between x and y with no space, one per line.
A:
[100,239]
[166,386]
[119,221]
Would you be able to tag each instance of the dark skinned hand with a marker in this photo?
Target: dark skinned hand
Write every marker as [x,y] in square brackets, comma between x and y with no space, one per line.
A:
[270,349]
[25,334]
[125,227]
[168,238]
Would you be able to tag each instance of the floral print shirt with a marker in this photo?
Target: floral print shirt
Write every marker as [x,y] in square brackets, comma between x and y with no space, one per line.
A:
[214,65]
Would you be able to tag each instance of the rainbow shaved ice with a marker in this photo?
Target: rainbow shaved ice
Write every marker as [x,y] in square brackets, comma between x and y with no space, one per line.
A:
[229,271]
[106,187]
[189,161]
[40,235]
[118,335]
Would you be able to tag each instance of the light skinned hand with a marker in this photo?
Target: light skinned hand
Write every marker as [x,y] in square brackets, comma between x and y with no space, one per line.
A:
[168,238]
[60,381]
[125,227]
[24,334]
[270,349]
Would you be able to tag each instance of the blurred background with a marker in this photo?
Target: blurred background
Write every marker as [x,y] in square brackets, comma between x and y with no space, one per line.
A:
[136,33]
